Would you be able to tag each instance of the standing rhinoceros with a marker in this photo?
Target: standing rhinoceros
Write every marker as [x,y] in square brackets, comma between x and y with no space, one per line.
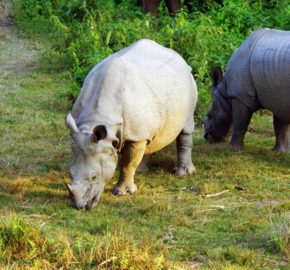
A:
[257,76]
[135,102]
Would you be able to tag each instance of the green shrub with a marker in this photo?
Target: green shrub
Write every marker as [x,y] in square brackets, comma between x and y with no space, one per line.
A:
[85,32]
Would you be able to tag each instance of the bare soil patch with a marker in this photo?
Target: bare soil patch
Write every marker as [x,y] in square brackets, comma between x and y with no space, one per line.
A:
[17,55]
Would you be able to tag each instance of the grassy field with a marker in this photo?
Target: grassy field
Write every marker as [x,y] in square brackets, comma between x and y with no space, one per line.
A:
[169,224]
[172,223]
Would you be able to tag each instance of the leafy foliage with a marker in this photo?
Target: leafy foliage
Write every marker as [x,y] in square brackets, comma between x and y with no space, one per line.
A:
[85,32]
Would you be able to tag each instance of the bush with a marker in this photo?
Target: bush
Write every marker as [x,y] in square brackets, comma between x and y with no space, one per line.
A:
[85,32]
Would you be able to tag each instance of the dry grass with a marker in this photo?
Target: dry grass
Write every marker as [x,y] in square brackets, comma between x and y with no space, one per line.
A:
[24,246]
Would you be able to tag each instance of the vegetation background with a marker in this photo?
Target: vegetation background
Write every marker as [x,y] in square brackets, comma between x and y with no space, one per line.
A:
[172,223]
[85,32]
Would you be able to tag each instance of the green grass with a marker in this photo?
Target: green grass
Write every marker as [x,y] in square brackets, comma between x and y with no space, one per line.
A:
[169,224]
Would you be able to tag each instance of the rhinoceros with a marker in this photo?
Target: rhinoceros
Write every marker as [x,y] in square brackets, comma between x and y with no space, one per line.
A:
[134,102]
[257,76]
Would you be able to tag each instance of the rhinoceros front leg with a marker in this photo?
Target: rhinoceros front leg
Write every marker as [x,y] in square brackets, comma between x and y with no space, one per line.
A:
[282,133]
[184,148]
[131,157]
[241,120]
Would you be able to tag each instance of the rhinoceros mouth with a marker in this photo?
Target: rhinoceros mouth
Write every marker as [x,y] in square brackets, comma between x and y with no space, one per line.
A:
[89,205]
[92,203]
[209,138]
[213,139]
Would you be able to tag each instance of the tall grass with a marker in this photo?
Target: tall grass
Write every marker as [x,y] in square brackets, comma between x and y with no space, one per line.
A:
[85,32]
[24,243]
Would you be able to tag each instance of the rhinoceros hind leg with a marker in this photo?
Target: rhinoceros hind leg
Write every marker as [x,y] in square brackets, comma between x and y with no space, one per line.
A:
[131,157]
[184,148]
[282,133]
[143,166]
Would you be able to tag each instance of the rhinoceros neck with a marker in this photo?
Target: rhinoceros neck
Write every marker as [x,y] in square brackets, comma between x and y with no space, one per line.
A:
[224,100]
[99,100]
[222,89]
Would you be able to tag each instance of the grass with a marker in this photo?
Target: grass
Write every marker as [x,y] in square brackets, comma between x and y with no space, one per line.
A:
[169,224]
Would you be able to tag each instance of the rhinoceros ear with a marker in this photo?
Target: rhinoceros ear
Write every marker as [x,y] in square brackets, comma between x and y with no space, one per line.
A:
[99,133]
[217,75]
[70,122]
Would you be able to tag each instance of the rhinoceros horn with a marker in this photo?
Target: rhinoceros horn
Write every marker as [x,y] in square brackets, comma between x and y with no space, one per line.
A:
[70,190]
[70,122]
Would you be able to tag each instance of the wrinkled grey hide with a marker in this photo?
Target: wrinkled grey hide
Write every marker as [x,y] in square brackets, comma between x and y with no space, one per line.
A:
[134,102]
[257,76]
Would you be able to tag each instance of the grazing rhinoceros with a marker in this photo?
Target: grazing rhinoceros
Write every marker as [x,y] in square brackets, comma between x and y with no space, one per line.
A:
[135,102]
[257,76]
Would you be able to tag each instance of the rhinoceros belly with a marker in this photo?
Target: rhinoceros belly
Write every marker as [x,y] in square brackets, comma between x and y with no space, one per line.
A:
[270,70]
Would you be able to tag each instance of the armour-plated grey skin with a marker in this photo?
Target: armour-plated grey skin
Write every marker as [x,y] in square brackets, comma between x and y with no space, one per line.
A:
[134,102]
[257,76]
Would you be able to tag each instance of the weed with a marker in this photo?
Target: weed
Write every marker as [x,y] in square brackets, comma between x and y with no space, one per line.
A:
[19,240]
[279,232]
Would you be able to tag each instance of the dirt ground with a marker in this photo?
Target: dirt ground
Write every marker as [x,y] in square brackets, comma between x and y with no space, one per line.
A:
[17,55]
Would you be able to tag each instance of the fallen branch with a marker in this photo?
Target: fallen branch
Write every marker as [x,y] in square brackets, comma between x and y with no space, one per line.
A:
[108,260]
[215,194]
[217,206]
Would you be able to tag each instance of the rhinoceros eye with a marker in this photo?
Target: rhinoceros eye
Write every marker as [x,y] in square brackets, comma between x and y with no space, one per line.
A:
[94,176]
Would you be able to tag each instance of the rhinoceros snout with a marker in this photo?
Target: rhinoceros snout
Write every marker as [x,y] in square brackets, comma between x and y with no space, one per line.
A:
[91,203]
[87,206]
[208,137]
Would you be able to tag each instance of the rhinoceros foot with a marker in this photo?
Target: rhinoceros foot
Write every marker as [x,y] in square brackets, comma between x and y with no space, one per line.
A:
[236,147]
[184,169]
[281,149]
[120,190]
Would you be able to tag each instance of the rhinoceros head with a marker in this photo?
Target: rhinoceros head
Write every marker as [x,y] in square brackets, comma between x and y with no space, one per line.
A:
[219,118]
[94,162]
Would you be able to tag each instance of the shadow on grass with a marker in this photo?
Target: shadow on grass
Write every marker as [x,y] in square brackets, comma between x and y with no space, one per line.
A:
[268,156]
[42,189]
[258,153]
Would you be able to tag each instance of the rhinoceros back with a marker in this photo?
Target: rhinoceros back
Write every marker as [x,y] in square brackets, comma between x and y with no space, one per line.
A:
[159,93]
[270,71]
[145,88]
[238,76]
